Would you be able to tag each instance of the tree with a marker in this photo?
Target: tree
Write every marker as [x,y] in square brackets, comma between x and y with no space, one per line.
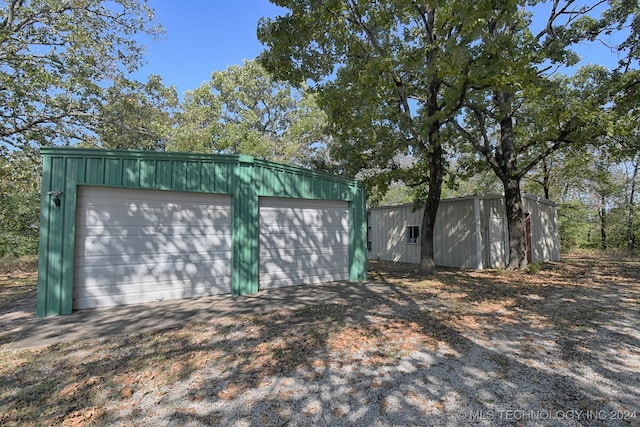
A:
[55,58]
[388,74]
[242,110]
[518,115]
[626,90]
[634,177]
[136,115]
[623,148]
[19,203]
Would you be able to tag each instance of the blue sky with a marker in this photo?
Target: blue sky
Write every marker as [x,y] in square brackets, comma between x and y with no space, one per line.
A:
[203,36]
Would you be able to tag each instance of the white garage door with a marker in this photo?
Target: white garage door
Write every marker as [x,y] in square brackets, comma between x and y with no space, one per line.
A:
[303,241]
[137,246]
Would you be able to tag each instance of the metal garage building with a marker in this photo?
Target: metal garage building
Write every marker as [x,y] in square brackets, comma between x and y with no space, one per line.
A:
[470,232]
[133,226]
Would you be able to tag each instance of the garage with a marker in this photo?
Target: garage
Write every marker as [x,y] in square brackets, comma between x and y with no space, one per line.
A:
[303,241]
[124,227]
[136,246]
[470,232]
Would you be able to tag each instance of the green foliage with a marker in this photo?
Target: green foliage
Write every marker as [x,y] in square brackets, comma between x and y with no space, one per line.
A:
[19,204]
[62,78]
[533,267]
[55,58]
[398,193]
[617,229]
[576,224]
[243,110]
[391,74]
[136,115]
[388,74]
[519,111]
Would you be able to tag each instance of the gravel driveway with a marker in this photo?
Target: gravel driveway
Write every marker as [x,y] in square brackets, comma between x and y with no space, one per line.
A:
[498,348]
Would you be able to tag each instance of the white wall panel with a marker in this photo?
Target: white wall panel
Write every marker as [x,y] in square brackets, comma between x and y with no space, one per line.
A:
[545,239]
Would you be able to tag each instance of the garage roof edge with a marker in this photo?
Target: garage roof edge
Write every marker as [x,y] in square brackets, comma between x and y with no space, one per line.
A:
[175,155]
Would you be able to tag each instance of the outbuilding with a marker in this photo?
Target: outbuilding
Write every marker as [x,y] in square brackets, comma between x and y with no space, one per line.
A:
[121,227]
[470,232]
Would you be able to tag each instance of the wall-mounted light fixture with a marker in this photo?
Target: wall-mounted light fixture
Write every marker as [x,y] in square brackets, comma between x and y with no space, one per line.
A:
[56,197]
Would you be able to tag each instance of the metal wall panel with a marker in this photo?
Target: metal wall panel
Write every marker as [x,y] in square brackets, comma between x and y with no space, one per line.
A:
[495,244]
[244,178]
[388,233]
[545,239]
[470,232]
[455,234]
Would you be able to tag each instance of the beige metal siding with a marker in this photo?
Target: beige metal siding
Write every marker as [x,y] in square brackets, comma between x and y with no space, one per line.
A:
[303,241]
[455,236]
[137,246]
[388,233]
[471,232]
[545,241]
[496,235]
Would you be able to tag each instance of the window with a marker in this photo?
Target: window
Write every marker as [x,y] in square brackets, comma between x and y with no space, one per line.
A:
[413,234]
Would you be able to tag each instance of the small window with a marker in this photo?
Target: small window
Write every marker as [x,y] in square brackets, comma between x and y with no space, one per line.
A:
[413,234]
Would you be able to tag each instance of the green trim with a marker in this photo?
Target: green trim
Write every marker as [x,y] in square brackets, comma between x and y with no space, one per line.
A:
[44,244]
[102,154]
[131,154]
[243,158]
[358,255]
[244,276]
[243,177]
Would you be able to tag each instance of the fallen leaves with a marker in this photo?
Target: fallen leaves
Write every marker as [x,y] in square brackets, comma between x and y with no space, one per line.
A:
[550,320]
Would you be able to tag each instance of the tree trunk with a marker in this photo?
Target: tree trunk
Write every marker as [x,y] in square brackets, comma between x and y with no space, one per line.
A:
[436,172]
[546,179]
[515,225]
[436,166]
[631,236]
[603,224]
[507,170]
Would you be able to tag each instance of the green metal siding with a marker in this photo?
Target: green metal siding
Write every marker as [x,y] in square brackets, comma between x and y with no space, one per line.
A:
[358,237]
[243,177]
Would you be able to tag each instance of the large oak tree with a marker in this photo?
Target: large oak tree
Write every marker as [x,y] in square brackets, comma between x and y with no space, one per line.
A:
[518,113]
[389,74]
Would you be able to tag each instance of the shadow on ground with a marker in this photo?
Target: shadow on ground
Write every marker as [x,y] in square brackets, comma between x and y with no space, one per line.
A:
[557,348]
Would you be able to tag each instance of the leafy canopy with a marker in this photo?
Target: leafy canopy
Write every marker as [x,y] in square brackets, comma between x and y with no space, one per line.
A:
[55,58]
[387,73]
[243,110]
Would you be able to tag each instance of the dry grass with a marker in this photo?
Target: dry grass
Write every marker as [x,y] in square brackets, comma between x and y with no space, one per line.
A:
[17,281]
[547,321]
[26,264]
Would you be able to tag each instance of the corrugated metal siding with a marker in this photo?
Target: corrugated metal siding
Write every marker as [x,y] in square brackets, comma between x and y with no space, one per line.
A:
[545,240]
[242,177]
[455,236]
[471,232]
[388,233]
[495,244]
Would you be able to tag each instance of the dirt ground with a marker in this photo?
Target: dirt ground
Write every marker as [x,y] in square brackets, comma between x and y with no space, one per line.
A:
[558,347]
